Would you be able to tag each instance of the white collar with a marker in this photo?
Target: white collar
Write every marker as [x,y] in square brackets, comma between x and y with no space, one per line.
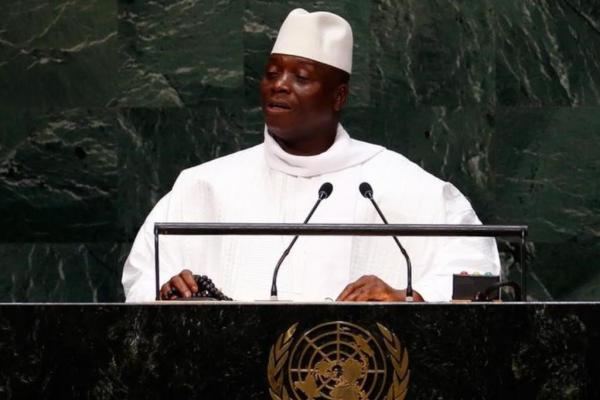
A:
[345,152]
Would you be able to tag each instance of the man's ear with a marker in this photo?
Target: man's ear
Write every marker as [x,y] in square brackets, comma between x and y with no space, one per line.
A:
[341,96]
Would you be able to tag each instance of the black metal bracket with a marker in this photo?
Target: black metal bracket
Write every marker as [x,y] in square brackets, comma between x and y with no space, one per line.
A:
[256,229]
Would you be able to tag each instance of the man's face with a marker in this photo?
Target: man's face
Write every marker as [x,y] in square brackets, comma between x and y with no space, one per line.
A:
[299,97]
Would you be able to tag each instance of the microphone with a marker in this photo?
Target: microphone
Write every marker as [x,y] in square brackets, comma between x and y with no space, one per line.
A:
[367,191]
[324,192]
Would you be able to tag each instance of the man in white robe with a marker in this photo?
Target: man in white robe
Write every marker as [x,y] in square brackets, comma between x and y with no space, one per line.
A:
[303,91]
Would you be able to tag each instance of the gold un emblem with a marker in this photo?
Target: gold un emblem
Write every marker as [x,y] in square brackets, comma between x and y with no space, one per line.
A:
[338,361]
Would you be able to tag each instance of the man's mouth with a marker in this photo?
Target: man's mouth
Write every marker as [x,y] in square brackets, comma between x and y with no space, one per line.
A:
[278,106]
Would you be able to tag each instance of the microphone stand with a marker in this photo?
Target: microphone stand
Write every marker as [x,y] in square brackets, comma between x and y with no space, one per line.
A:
[409,291]
[324,193]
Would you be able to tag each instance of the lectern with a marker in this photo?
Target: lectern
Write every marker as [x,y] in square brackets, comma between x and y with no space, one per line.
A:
[302,351]
[219,350]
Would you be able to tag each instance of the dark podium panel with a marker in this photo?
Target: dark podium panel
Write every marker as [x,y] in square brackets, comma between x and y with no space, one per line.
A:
[327,351]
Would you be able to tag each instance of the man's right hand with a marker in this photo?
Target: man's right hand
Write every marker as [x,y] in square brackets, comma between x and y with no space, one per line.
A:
[182,283]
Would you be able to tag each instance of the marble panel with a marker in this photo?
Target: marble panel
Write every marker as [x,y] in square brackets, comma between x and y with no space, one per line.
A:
[590,289]
[58,175]
[94,174]
[180,53]
[62,272]
[57,54]
[432,52]
[545,166]
[548,53]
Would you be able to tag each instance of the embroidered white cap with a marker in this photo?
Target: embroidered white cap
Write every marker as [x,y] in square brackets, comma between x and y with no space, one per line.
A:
[320,36]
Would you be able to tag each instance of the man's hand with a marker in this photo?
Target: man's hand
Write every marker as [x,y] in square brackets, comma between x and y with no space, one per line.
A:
[184,283]
[371,288]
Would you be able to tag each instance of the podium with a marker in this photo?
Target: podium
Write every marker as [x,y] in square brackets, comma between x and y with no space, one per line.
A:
[230,350]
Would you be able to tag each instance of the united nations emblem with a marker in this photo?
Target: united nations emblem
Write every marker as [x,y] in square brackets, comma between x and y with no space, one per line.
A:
[338,361]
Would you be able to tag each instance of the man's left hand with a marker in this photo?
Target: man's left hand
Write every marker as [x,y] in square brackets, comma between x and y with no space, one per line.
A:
[371,288]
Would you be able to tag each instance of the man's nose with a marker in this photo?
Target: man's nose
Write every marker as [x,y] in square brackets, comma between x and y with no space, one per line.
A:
[282,83]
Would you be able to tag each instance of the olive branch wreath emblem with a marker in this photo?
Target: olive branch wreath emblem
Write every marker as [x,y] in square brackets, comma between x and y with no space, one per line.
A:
[399,358]
[279,355]
[277,358]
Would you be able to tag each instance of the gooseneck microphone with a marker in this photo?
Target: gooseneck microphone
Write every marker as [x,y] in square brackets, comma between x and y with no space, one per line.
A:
[324,192]
[367,191]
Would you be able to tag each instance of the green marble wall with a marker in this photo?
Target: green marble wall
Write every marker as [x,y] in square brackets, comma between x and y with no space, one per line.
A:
[102,102]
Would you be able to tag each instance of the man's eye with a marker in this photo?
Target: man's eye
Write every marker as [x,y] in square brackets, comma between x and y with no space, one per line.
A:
[271,74]
[301,78]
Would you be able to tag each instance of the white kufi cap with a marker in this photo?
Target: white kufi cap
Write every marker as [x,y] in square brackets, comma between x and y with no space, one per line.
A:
[320,36]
